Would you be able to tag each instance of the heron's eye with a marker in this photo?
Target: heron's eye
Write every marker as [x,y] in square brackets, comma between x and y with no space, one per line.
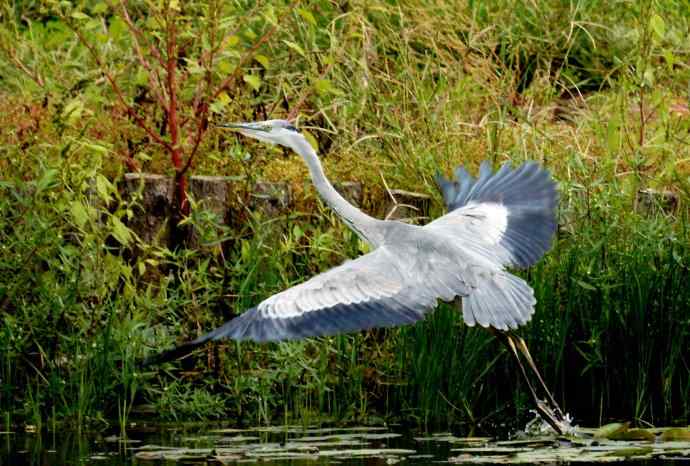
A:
[292,128]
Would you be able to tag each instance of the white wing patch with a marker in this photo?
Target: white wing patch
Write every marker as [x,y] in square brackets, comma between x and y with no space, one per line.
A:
[494,222]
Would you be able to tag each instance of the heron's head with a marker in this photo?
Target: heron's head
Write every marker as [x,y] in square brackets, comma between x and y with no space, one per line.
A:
[271,131]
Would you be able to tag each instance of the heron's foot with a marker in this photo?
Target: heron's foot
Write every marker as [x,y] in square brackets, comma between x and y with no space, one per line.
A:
[549,419]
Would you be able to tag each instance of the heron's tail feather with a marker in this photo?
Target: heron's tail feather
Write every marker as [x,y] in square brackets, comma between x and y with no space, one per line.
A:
[501,300]
[529,196]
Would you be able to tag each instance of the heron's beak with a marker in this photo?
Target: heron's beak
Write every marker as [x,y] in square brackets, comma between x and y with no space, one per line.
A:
[260,131]
[243,127]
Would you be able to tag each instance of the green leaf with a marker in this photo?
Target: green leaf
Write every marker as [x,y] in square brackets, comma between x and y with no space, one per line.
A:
[263,59]
[48,180]
[294,46]
[100,8]
[98,148]
[307,16]
[104,188]
[269,15]
[312,140]
[634,434]
[79,213]
[324,87]
[586,285]
[613,135]
[121,233]
[232,41]
[608,430]
[72,111]
[658,25]
[225,67]
[676,434]
[79,15]
[218,105]
[249,34]
[253,81]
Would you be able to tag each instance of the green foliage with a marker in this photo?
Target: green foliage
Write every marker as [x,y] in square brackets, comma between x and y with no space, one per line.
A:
[388,91]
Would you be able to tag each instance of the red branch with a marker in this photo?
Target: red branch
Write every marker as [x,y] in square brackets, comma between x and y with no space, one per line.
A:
[226,84]
[120,96]
[137,36]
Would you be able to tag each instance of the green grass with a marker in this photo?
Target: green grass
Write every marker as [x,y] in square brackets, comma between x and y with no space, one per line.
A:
[598,95]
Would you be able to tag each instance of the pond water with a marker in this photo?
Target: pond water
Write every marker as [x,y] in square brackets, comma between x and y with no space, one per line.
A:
[283,445]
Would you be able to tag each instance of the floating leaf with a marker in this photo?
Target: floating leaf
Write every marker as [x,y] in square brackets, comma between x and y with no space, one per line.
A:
[634,434]
[609,430]
[677,433]
[632,451]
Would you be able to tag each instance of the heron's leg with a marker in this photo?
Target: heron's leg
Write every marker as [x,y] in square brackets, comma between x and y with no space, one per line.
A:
[545,411]
[522,346]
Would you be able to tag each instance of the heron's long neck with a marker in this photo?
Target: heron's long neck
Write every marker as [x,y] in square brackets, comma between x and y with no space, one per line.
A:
[359,222]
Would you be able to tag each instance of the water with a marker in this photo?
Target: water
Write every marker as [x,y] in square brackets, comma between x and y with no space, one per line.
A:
[203,444]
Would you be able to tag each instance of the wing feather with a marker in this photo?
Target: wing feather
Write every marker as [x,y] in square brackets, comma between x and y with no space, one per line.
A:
[379,289]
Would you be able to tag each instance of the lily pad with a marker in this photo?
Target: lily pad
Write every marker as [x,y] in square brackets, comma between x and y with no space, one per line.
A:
[676,433]
[610,430]
[367,452]
[634,434]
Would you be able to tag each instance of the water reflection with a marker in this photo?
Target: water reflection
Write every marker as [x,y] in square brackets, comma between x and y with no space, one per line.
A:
[204,444]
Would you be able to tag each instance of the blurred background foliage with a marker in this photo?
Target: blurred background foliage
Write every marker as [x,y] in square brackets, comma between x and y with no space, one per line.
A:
[390,92]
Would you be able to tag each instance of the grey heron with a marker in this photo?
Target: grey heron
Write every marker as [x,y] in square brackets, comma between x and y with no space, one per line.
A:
[499,220]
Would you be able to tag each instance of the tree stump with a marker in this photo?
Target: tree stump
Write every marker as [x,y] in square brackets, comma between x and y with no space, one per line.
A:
[408,206]
[154,197]
[210,194]
[351,191]
[651,201]
[271,199]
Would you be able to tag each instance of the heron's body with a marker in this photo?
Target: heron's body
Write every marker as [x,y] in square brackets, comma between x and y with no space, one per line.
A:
[500,220]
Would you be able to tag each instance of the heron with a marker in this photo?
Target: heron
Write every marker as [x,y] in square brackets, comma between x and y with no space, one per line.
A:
[500,220]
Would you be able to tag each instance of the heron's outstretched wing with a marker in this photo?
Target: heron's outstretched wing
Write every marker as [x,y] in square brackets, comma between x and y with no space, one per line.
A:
[507,217]
[501,219]
[383,288]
